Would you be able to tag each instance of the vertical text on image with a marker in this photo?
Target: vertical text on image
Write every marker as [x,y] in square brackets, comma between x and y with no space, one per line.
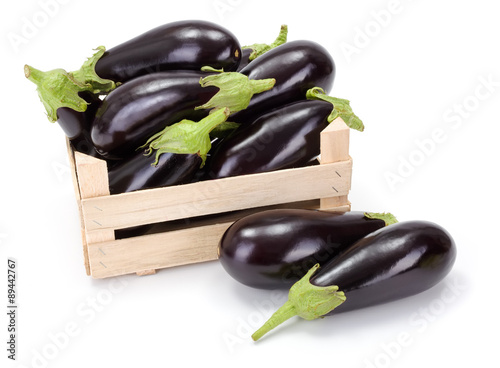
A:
[11,309]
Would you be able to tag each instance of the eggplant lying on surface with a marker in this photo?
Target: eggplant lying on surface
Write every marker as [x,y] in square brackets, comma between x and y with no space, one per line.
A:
[391,263]
[273,249]
[182,45]
[142,107]
[297,66]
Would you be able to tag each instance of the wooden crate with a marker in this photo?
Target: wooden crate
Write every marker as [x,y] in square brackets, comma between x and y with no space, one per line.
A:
[194,216]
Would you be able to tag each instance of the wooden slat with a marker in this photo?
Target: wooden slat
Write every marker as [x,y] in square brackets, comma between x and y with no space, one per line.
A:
[195,243]
[145,253]
[146,273]
[216,196]
[335,203]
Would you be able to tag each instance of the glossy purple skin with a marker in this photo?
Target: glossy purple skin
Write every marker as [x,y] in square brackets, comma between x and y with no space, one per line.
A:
[76,125]
[245,59]
[286,137]
[273,249]
[297,66]
[392,263]
[137,172]
[135,111]
[183,45]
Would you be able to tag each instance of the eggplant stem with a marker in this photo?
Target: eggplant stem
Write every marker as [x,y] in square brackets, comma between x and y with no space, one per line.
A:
[285,312]
[388,218]
[341,107]
[58,88]
[235,90]
[305,300]
[259,49]
[186,136]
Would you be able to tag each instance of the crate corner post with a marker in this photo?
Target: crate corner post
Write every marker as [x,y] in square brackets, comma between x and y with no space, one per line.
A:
[334,142]
[92,178]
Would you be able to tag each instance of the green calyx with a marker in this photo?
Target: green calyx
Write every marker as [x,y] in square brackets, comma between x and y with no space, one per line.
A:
[388,218]
[261,48]
[341,108]
[235,89]
[304,300]
[224,129]
[88,75]
[186,136]
[59,88]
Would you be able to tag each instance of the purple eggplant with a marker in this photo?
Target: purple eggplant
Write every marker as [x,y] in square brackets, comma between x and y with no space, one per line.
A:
[297,66]
[76,125]
[144,106]
[182,45]
[286,137]
[245,58]
[135,111]
[391,263]
[273,249]
[179,151]
[139,172]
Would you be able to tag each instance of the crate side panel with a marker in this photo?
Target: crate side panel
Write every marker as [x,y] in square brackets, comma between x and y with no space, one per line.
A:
[216,196]
[152,252]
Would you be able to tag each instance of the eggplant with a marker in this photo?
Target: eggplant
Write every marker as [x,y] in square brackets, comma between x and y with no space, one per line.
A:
[245,58]
[76,125]
[135,111]
[391,263]
[140,108]
[286,137]
[275,248]
[139,172]
[180,149]
[182,45]
[297,66]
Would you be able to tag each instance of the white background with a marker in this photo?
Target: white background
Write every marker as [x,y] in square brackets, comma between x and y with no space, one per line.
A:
[425,78]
